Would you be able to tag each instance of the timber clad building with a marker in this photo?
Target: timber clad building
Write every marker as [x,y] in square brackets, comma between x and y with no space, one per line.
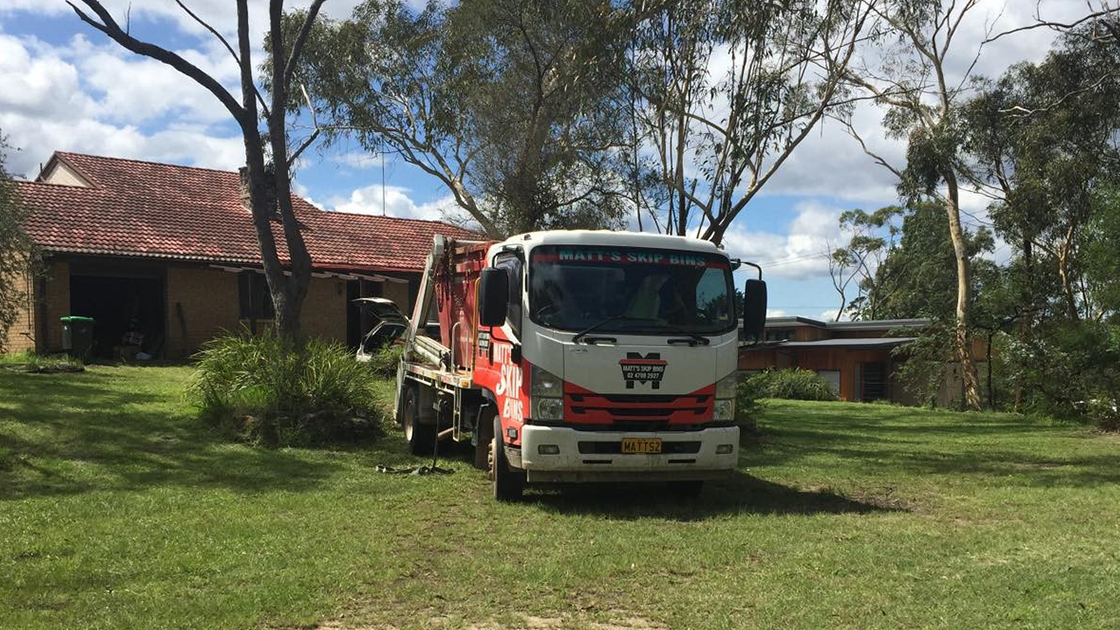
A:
[169,252]
[856,358]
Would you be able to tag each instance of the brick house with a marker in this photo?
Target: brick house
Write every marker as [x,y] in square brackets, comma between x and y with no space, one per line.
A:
[855,357]
[170,252]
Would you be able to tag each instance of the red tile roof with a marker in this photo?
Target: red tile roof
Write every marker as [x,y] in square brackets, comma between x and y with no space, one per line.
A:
[147,209]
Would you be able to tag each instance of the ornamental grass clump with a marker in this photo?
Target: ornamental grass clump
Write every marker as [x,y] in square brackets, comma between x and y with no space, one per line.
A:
[270,391]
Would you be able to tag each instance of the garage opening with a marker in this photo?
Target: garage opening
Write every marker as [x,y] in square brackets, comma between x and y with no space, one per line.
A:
[129,313]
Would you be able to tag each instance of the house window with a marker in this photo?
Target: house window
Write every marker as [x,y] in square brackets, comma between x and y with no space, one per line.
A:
[833,378]
[779,335]
[254,297]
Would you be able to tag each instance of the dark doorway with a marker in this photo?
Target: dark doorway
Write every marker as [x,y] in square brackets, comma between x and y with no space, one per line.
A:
[122,307]
[358,322]
[874,381]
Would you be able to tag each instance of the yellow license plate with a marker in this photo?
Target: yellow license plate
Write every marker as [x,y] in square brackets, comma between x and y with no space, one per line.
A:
[641,445]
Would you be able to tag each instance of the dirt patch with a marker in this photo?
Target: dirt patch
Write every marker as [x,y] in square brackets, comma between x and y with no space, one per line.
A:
[570,623]
[524,622]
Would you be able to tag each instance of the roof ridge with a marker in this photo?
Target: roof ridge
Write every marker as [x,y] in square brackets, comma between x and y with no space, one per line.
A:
[152,162]
[66,186]
[385,216]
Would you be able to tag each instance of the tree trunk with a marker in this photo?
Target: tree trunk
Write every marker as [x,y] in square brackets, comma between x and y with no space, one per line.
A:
[1066,276]
[969,379]
[1028,300]
[991,387]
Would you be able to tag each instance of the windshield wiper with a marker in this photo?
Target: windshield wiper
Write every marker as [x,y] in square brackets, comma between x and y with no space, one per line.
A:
[694,338]
[612,318]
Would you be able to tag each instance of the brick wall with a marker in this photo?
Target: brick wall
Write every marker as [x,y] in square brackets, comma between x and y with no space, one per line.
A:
[324,309]
[201,303]
[57,300]
[207,299]
[21,336]
[397,292]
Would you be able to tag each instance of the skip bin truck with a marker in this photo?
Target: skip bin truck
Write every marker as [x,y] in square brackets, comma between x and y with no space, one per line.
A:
[579,356]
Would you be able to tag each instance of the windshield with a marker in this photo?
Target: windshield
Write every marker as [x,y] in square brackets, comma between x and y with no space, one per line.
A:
[640,290]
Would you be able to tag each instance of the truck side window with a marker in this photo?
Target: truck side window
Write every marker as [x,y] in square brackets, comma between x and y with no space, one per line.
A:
[512,265]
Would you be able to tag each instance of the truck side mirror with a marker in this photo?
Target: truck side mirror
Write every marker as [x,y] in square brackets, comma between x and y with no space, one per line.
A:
[493,297]
[754,308]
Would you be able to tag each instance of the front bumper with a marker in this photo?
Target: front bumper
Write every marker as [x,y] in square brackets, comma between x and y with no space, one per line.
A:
[600,460]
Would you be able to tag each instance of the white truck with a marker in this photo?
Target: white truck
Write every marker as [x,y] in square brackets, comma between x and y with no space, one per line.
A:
[580,356]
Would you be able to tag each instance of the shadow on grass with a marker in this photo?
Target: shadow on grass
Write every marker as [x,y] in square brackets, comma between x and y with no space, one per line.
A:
[101,430]
[739,494]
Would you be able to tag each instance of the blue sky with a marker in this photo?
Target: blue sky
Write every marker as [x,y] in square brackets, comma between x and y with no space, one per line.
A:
[63,86]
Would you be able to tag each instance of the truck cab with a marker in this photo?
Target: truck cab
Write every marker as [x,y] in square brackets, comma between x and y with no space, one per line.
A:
[601,356]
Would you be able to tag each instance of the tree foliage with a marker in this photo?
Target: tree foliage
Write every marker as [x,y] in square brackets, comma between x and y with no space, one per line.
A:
[17,253]
[1040,140]
[725,91]
[516,107]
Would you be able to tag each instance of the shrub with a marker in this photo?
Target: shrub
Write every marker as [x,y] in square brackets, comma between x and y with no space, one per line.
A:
[268,391]
[1070,370]
[747,408]
[386,360]
[792,384]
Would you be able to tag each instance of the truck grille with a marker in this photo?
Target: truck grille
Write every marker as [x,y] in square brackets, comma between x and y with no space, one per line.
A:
[648,412]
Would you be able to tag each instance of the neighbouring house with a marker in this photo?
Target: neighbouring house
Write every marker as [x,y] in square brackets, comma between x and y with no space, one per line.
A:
[854,357]
[167,255]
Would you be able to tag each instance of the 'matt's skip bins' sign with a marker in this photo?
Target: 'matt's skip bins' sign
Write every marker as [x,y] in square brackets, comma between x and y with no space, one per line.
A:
[632,257]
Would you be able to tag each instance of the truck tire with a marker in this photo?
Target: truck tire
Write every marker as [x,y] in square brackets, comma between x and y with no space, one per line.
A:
[508,483]
[420,437]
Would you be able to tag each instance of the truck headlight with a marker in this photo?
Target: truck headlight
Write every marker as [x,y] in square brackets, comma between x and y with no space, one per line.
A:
[726,386]
[546,391]
[724,408]
[548,409]
[545,383]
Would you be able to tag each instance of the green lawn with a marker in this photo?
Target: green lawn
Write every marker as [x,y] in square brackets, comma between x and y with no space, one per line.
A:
[118,510]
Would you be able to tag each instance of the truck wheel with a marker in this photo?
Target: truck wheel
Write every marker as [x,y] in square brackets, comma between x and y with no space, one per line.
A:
[420,437]
[687,489]
[484,436]
[508,484]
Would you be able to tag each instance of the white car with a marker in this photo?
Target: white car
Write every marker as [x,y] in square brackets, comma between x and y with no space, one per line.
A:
[391,325]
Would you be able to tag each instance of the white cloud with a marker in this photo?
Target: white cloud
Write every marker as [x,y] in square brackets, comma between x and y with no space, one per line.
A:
[153,89]
[800,252]
[393,201]
[776,312]
[39,85]
[358,160]
[86,98]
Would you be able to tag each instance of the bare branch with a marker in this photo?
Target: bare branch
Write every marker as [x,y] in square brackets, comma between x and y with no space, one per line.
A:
[212,30]
[108,26]
[1062,26]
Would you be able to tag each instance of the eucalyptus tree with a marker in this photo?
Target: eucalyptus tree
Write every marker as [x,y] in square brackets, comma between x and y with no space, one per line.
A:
[872,239]
[1039,141]
[727,90]
[909,75]
[268,157]
[516,107]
